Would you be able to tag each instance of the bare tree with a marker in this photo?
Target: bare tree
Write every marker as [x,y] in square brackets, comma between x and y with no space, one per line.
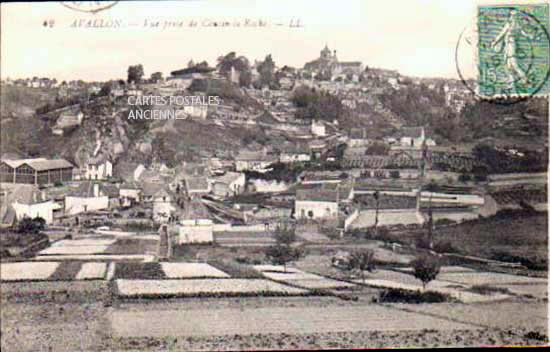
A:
[362,260]
[284,251]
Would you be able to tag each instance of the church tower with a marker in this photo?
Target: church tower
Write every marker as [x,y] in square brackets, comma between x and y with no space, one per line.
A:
[325,53]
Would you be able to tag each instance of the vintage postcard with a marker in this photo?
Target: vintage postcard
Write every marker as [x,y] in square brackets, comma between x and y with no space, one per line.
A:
[243,175]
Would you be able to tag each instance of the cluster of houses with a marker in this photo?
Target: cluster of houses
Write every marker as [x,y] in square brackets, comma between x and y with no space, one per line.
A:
[197,199]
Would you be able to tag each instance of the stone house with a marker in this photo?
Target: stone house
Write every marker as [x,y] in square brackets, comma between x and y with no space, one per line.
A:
[89,196]
[229,184]
[28,201]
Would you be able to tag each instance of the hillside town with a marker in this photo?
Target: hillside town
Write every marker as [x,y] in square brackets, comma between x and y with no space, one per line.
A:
[334,184]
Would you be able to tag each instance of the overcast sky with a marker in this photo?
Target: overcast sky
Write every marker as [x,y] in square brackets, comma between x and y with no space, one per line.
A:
[415,37]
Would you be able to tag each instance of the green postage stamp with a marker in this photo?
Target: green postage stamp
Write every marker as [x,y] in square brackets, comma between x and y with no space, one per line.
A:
[513,50]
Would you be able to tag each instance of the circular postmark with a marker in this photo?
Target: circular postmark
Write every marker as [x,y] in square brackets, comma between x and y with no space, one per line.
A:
[504,55]
[89,6]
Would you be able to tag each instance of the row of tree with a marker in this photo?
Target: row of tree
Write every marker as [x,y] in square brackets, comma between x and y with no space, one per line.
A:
[425,267]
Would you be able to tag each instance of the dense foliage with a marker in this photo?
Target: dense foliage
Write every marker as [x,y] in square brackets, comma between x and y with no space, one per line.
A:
[315,105]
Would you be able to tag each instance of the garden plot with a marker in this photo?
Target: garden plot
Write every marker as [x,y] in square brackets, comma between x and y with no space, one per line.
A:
[72,250]
[321,283]
[277,272]
[91,271]
[300,278]
[96,257]
[191,270]
[84,242]
[203,287]
[27,271]
[488,278]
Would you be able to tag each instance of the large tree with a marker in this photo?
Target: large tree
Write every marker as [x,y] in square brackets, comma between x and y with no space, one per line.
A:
[266,69]
[425,268]
[361,260]
[156,77]
[238,63]
[135,73]
[284,251]
[314,105]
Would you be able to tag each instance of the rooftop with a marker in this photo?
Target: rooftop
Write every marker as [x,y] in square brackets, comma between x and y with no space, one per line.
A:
[86,189]
[25,194]
[228,177]
[413,132]
[385,201]
[40,164]
[323,193]
[196,183]
[195,209]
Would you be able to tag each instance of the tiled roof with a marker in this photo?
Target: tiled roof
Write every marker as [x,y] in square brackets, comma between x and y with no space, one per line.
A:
[151,188]
[25,194]
[322,193]
[292,148]
[350,63]
[41,164]
[196,183]
[247,155]
[86,189]
[386,201]
[228,177]
[98,159]
[111,190]
[413,132]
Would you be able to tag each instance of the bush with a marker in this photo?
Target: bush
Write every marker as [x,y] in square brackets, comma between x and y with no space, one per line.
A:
[361,259]
[487,289]
[393,295]
[28,225]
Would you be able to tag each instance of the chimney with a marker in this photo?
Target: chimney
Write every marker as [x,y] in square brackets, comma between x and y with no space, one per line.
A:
[96,190]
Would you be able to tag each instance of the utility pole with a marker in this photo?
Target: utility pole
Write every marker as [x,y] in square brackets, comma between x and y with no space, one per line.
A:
[376,198]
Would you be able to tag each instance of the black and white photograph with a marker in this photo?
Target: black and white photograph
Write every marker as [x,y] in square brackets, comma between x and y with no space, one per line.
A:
[273,175]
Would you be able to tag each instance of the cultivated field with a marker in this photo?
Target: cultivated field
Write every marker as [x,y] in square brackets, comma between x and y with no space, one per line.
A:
[190,270]
[27,271]
[203,287]
[300,278]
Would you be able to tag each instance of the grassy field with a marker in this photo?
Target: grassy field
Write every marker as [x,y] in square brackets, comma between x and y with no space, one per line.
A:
[511,236]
